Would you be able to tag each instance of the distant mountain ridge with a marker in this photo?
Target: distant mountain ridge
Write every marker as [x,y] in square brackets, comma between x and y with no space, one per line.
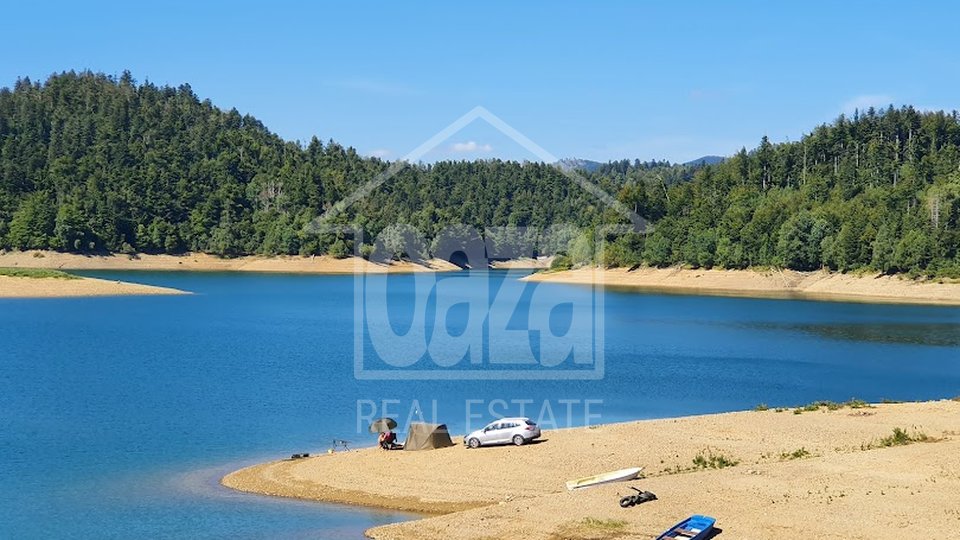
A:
[706,160]
[571,164]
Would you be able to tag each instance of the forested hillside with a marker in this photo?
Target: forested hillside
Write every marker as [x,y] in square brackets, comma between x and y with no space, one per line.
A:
[92,163]
[879,191]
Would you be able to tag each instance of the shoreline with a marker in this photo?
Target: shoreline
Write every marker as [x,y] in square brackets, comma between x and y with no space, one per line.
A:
[780,284]
[76,287]
[202,262]
[816,463]
[774,284]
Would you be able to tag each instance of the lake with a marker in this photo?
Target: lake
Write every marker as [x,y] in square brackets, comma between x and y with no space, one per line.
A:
[118,416]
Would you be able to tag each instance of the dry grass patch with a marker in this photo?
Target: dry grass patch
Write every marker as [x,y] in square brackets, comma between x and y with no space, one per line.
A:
[832,406]
[591,528]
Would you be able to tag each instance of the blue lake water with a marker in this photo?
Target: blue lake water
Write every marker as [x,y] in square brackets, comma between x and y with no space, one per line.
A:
[119,415]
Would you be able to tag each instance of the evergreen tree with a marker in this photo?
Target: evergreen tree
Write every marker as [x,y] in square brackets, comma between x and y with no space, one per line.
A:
[90,162]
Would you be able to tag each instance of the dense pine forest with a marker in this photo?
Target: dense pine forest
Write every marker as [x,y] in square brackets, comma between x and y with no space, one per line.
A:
[92,163]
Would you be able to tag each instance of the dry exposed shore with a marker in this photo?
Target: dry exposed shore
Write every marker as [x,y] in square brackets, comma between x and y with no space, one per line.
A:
[819,285]
[821,474]
[778,284]
[204,262]
[27,287]
[540,263]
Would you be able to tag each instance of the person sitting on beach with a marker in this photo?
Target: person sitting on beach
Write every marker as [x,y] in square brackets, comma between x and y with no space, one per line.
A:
[388,440]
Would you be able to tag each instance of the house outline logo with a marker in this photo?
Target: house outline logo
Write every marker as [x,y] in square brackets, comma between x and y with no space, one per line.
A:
[326,223]
[323,223]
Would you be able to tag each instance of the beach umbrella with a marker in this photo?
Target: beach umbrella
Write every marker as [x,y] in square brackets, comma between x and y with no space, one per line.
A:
[382,425]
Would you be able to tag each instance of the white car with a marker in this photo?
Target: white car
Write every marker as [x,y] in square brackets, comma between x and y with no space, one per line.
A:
[504,431]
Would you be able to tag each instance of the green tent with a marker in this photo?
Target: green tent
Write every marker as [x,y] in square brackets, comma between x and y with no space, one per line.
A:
[427,437]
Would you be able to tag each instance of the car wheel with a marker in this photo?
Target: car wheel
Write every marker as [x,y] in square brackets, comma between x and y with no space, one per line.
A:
[474,443]
[518,440]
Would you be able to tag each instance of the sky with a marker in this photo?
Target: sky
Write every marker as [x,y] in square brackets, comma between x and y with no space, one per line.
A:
[593,80]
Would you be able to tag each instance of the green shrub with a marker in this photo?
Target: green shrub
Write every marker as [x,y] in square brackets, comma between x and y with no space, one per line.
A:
[711,460]
[561,262]
[339,250]
[900,437]
[366,250]
[796,454]
[36,273]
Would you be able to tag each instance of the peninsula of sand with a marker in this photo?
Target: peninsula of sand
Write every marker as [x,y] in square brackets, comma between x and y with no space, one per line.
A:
[74,286]
[886,471]
[203,262]
[819,285]
[46,287]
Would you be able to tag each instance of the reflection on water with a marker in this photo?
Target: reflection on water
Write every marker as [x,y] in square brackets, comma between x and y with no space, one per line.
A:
[940,335]
[929,334]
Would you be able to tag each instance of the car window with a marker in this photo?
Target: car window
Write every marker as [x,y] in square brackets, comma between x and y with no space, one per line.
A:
[492,427]
[531,423]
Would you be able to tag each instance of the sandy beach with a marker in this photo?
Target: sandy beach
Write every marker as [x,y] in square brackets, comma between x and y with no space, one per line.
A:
[540,263]
[819,474]
[26,287]
[820,285]
[210,263]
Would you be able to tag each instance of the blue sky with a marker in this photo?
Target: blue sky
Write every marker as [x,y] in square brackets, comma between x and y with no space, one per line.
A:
[611,80]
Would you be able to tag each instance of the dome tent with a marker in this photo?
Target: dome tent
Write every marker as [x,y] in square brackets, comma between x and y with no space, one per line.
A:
[427,437]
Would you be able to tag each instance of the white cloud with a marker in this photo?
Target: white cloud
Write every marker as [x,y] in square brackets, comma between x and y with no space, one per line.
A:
[470,147]
[373,86]
[380,153]
[865,101]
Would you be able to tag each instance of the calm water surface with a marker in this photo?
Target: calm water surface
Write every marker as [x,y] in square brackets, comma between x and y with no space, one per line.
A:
[119,415]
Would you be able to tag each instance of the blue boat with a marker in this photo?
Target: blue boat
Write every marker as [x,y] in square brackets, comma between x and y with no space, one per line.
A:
[693,528]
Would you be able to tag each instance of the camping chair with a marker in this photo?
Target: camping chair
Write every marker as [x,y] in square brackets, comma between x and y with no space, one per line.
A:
[391,444]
